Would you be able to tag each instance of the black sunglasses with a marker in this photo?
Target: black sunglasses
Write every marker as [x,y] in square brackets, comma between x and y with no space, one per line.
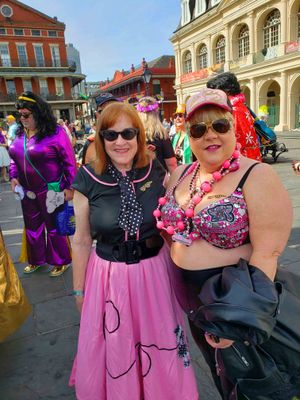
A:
[127,134]
[24,115]
[219,125]
[180,115]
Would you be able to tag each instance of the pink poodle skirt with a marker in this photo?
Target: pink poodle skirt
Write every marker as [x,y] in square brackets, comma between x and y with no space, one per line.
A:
[132,342]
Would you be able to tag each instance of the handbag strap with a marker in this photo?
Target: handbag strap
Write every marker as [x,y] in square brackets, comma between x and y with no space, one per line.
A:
[30,162]
[252,113]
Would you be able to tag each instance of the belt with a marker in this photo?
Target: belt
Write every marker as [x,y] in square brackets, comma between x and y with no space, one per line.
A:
[130,251]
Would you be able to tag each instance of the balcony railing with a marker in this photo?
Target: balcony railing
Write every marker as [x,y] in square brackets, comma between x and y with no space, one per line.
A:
[33,63]
[240,62]
[12,97]
[269,53]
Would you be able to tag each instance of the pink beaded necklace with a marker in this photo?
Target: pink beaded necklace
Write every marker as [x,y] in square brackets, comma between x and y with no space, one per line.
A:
[183,231]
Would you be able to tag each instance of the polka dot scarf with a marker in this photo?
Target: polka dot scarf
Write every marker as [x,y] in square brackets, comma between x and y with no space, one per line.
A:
[131,212]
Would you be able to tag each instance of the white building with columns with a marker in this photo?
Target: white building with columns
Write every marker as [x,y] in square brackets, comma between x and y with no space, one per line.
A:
[258,40]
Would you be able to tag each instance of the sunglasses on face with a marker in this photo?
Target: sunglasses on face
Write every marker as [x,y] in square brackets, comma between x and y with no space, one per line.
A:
[127,134]
[25,115]
[219,126]
[178,115]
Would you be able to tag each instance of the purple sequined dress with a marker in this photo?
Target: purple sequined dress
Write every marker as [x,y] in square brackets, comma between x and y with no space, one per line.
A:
[54,158]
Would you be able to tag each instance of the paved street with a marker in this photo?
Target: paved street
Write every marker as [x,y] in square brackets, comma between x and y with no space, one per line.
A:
[35,363]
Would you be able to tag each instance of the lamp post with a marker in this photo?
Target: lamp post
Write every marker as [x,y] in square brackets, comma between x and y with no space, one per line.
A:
[147,74]
[162,95]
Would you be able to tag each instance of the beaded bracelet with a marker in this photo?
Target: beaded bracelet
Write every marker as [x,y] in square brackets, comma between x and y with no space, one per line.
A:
[79,293]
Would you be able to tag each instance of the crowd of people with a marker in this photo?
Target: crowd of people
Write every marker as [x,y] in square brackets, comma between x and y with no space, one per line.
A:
[168,221]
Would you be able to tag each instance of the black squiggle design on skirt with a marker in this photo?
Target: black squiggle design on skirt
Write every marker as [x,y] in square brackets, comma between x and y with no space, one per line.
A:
[181,346]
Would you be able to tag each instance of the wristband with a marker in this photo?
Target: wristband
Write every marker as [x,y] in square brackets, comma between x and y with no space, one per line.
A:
[79,293]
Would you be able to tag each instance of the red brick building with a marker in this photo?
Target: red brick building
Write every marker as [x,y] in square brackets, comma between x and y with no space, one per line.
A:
[33,57]
[130,85]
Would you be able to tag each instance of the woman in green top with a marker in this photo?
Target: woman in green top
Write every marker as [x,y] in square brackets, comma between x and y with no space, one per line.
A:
[181,144]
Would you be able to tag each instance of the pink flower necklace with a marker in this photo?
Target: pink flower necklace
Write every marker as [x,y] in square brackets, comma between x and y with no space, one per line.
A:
[182,231]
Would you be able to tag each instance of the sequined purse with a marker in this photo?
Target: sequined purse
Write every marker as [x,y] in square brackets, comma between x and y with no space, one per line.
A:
[65,220]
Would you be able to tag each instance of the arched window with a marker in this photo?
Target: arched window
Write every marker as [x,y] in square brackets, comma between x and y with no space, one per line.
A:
[202,57]
[272,29]
[200,7]
[220,50]
[243,41]
[187,62]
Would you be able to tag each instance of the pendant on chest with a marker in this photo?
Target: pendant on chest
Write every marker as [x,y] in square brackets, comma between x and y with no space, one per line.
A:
[182,238]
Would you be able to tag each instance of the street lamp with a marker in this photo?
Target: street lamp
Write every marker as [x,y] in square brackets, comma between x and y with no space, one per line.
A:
[162,95]
[147,74]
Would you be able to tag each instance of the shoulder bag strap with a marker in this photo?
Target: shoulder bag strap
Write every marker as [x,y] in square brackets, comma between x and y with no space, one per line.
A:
[30,162]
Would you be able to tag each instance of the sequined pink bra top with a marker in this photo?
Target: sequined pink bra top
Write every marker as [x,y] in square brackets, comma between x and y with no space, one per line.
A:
[223,223]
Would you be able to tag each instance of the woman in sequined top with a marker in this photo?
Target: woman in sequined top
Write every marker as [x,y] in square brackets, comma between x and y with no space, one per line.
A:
[222,208]
[243,120]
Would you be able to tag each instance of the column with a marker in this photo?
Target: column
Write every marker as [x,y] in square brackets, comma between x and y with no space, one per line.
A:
[227,48]
[178,69]
[282,126]
[253,101]
[194,57]
[209,52]
[251,32]
[179,60]
[283,21]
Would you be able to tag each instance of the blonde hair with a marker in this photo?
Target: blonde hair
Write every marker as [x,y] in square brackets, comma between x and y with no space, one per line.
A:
[210,113]
[153,127]
[108,118]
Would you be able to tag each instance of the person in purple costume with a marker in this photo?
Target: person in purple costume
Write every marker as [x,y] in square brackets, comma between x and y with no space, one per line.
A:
[41,154]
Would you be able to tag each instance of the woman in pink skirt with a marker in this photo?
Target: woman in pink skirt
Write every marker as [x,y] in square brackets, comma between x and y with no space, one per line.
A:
[132,341]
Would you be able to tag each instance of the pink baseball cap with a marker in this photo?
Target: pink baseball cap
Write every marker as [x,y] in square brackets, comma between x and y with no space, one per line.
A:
[205,97]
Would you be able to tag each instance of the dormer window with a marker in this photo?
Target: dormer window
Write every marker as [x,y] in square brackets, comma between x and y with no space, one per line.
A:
[185,12]
[200,7]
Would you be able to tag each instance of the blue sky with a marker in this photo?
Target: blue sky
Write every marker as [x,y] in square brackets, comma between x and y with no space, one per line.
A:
[113,34]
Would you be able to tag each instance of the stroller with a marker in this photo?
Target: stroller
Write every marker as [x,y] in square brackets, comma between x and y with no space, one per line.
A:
[267,139]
